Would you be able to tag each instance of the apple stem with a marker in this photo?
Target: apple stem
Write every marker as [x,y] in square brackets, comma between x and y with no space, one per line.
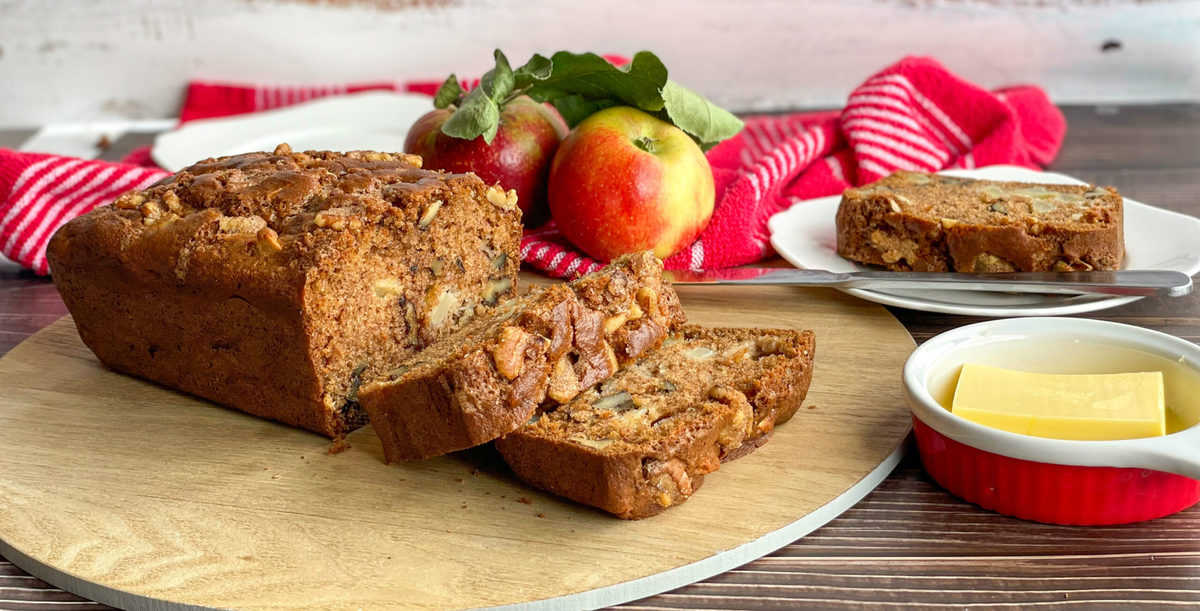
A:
[645,143]
[512,96]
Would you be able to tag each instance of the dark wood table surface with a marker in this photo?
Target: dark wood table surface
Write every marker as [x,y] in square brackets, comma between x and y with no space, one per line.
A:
[908,543]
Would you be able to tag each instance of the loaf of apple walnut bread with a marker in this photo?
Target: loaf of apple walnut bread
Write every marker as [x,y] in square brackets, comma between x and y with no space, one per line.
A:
[545,347]
[643,440]
[278,283]
[911,221]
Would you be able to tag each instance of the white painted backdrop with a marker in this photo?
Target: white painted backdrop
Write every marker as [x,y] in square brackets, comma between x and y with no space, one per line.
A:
[78,60]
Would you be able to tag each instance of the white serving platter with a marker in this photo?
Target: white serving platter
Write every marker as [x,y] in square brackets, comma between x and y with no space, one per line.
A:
[373,120]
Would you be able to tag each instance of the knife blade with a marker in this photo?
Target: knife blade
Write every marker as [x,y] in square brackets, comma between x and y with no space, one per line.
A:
[1125,282]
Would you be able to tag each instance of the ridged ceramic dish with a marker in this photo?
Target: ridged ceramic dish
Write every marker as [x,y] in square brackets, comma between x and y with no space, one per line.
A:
[1053,480]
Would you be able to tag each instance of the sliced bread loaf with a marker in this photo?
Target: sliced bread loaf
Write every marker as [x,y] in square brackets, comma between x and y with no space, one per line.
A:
[489,377]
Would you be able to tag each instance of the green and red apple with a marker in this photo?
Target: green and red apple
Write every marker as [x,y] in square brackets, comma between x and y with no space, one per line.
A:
[517,158]
[625,181]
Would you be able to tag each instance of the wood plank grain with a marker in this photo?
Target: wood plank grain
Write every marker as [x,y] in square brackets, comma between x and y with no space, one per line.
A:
[909,542]
[27,303]
[20,590]
[1179,316]
[1107,138]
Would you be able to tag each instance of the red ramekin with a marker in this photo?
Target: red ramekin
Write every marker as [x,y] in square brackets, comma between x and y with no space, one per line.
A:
[1053,480]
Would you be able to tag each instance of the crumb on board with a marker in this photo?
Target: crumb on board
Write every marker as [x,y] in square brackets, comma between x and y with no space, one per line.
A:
[474,471]
[812,407]
[525,500]
[337,446]
[540,514]
[458,479]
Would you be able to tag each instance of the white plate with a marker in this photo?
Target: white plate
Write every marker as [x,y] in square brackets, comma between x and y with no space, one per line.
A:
[1154,239]
[373,121]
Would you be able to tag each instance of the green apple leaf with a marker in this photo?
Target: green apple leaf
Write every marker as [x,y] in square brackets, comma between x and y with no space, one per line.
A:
[592,77]
[498,82]
[575,108]
[449,93]
[538,68]
[707,123]
[579,85]
[477,116]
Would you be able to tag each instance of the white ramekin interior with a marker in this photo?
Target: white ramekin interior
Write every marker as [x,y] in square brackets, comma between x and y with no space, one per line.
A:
[1063,345]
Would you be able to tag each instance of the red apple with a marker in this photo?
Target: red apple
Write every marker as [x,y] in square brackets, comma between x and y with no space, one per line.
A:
[625,181]
[518,157]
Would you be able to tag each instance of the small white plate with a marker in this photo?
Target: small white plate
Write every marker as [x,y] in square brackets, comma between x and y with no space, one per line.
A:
[1154,239]
[373,121]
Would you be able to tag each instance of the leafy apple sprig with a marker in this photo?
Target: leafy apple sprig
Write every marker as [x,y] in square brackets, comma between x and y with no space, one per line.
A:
[579,84]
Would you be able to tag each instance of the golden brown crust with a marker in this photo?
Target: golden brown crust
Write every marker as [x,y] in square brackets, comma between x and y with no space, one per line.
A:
[489,377]
[643,440]
[276,283]
[911,221]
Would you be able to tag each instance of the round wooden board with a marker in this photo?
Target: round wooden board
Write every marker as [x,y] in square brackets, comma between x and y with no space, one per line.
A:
[135,495]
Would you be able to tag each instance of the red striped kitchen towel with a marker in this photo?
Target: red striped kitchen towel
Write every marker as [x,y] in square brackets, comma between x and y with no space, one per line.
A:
[912,115]
[38,193]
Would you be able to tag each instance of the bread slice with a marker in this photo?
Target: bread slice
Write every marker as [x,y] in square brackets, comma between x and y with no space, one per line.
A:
[912,221]
[489,377]
[643,440]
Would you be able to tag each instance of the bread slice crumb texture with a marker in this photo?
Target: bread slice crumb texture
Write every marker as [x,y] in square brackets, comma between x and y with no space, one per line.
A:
[912,221]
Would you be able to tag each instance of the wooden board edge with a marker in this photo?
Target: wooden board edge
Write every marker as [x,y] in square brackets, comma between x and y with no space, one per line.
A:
[88,589]
[591,599]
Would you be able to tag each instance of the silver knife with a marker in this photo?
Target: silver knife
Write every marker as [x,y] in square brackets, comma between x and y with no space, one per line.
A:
[1130,282]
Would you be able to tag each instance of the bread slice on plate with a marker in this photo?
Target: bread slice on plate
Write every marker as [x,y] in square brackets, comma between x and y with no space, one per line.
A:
[912,221]
[643,440]
[547,346]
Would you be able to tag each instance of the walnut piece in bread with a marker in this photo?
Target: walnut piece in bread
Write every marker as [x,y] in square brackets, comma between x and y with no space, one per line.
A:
[488,378]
